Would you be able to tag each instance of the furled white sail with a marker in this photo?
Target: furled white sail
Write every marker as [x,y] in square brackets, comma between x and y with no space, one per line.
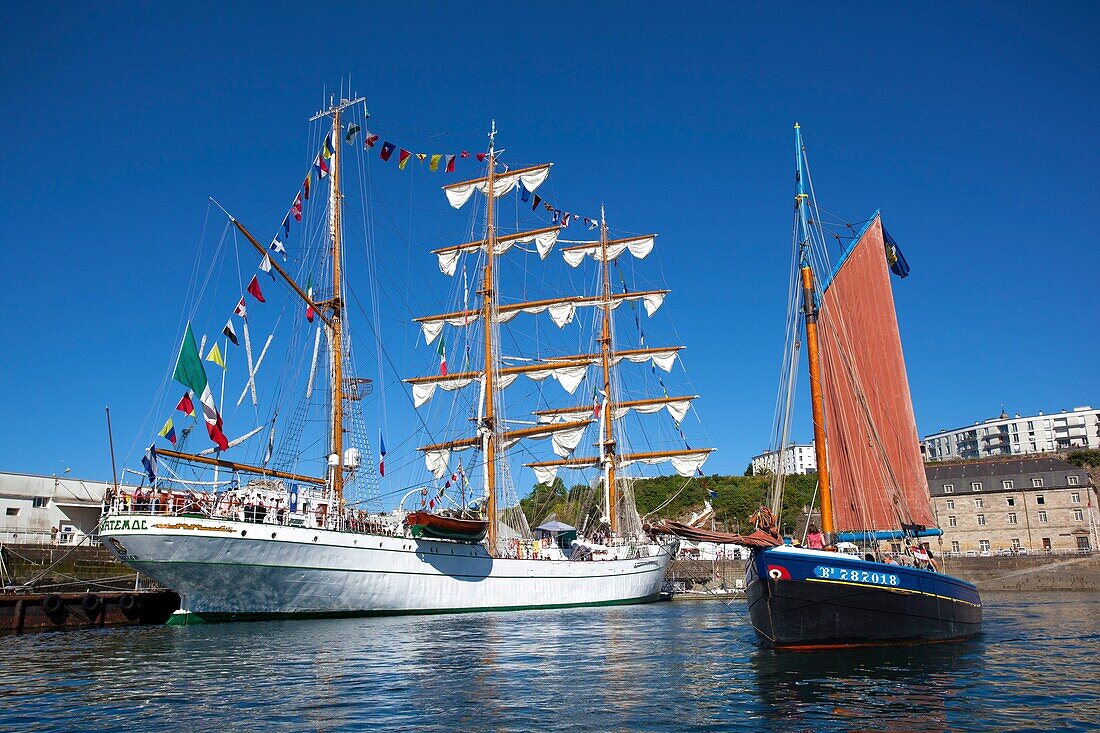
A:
[531,178]
[423,391]
[677,407]
[684,462]
[568,376]
[543,239]
[561,310]
[637,246]
[564,439]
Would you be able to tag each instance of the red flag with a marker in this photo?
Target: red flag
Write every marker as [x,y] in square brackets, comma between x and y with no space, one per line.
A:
[305,184]
[241,310]
[254,289]
[370,140]
[296,209]
[465,154]
[387,150]
[481,157]
[450,164]
[186,406]
[403,158]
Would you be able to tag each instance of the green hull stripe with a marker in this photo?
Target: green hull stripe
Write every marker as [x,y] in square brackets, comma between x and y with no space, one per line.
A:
[655,566]
[194,618]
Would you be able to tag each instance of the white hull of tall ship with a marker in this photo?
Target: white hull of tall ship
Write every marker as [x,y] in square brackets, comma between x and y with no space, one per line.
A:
[225,569]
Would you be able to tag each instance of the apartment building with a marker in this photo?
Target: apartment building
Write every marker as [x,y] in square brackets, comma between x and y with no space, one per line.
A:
[1031,504]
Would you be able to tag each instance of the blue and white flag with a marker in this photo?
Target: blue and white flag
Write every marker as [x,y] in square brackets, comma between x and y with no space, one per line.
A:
[277,247]
[149,460]
[293,497]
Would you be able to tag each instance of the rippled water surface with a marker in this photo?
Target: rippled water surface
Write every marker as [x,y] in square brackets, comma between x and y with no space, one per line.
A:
[671,666]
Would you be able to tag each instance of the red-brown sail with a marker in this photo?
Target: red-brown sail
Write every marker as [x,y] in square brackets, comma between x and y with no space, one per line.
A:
[877,474]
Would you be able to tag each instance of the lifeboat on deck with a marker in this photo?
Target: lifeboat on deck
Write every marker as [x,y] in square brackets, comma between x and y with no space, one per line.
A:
[446,527]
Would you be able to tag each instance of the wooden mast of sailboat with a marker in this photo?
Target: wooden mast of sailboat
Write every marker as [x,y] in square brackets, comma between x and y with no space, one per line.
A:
[488,294]
[337,324]
[336,305]
[608,447]
[809,307]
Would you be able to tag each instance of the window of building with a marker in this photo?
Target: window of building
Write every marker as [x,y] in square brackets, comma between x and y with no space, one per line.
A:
[1030,424]
[983,545]
[954,545]
[1040,500]
[40,501]
[1078,515]
[1071,480]
[895,547]
[1011,501]
[979,503]
[1036,483]
[949,488]
[1007,484]
[976,486]
[1015,543]
[1042,516]
[12,511]
[981,520]
[951,503]
[1012,517]
[1046,544]
[952,521]
[1075,498]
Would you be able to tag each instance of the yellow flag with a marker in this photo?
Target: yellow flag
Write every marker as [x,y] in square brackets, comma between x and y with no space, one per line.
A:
[421,156]
[434,165]
[215,355]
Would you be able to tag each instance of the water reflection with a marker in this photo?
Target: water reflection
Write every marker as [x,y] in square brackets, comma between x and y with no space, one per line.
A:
[679,666]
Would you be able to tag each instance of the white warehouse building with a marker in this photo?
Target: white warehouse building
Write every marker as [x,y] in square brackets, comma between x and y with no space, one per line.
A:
[1009,436]
[798,458]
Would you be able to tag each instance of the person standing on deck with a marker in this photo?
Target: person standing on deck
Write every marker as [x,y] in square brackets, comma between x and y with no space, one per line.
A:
[814,539]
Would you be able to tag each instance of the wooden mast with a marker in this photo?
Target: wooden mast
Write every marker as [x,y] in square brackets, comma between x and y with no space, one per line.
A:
[337,324]
[809,308]
[336,305]
[488,295]
[608,448]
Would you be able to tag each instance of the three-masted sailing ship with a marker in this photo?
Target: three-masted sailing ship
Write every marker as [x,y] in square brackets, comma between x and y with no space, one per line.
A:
[278,542]
[873,492]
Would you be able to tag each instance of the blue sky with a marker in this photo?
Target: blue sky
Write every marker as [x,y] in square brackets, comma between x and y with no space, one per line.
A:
[968,126]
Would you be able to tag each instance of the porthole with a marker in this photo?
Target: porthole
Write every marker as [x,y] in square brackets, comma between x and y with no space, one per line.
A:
[315,538]
[244,533]
[272,535]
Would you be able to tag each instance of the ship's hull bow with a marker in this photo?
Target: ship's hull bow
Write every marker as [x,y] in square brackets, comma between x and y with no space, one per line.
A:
[803,599]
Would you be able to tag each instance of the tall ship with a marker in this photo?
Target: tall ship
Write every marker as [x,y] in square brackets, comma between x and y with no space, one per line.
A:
[300,529]
[867,575]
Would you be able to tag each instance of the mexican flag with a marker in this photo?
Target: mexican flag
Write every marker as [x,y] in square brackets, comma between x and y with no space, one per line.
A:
[442,356]
[190,372]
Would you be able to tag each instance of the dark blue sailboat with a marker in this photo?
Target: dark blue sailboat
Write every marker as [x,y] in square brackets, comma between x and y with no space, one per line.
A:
[873,492]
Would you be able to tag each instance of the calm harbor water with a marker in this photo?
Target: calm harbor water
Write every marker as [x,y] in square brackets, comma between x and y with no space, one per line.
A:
[689,666]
